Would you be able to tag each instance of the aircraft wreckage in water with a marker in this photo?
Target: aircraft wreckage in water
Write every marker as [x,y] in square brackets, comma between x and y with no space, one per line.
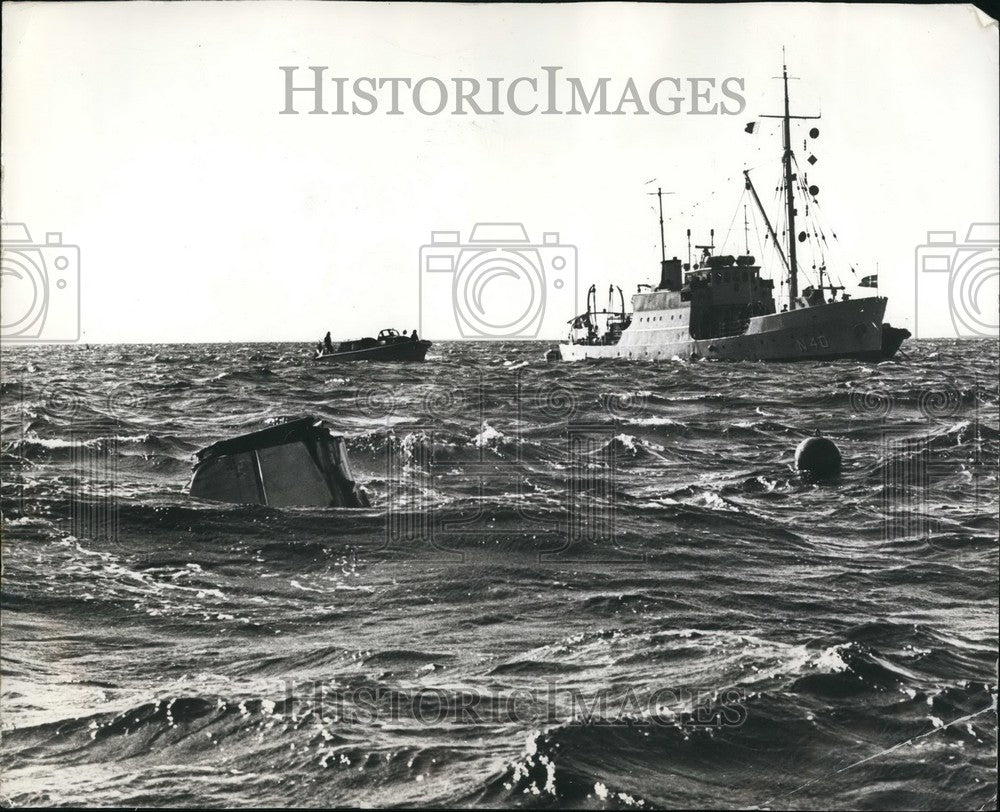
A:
[301,463]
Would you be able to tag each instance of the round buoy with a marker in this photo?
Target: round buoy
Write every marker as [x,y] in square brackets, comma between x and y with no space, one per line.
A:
[814,132]
[818,457]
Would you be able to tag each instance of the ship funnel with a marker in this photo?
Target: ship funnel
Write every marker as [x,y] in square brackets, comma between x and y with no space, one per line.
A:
[670,274]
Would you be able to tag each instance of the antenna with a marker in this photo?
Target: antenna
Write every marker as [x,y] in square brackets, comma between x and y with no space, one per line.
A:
[707,250]
[663,241]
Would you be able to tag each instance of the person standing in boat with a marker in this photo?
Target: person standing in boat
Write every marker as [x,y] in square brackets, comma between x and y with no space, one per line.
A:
[413,337]
[327,343]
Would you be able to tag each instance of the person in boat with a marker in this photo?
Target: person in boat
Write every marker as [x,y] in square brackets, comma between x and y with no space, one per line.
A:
[327,343]
[413,336]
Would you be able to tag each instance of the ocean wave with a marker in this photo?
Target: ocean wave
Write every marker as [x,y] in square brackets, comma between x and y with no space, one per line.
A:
[596,531]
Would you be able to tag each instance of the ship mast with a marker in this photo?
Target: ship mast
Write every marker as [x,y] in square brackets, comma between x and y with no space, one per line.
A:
[663,243]
[786,119]
[793,277]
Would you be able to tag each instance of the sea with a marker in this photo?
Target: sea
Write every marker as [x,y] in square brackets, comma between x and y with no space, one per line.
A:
[596,586]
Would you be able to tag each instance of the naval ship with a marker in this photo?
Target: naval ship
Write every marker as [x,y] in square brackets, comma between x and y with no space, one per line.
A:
[722,308]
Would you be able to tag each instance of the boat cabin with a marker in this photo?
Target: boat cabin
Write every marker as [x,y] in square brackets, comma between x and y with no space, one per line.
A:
[725,292]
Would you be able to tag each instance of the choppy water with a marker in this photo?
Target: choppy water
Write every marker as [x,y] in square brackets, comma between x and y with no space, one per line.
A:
[597,585]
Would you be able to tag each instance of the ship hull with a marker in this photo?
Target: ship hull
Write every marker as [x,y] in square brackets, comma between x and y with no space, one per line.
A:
[852,329]
[396,351]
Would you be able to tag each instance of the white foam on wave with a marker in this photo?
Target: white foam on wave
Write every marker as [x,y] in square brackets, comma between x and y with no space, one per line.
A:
[94,442]
[50,442]
[634,444]
[655,420]
[488,436]
[532,758]
[716,502]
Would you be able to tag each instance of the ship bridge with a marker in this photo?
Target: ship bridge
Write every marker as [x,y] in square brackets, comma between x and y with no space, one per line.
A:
[718,298]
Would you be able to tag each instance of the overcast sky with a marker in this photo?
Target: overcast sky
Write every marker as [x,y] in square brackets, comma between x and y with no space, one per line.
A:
[149,135]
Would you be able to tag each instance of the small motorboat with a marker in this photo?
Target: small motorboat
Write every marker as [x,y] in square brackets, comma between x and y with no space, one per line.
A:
[389,346]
